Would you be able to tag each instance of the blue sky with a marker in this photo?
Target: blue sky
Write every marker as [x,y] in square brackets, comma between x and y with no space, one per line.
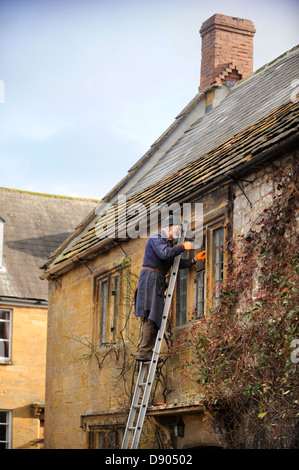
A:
[90,85]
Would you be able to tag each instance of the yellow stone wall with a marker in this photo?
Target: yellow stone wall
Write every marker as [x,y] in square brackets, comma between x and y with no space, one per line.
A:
[22,381]
[76,385]
[87,385]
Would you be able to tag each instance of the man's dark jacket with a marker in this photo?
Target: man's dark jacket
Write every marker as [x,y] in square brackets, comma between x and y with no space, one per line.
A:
[159,254]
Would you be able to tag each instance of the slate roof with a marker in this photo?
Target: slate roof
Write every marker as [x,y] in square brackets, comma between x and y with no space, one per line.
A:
[218,165]
[255,118]
[249,100]
[35,225]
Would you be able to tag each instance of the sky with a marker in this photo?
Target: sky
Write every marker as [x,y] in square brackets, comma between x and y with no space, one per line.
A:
[87,86]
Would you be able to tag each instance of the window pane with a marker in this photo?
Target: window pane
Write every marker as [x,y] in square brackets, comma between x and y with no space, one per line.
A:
[104,439]
[104,301]
[200,293]
[182,286]
[4,315]
[2,432]
[115,294]
[5,429]
[219,245]
[5,332]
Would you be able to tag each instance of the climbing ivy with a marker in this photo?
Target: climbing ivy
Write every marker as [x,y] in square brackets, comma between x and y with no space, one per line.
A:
[242,351]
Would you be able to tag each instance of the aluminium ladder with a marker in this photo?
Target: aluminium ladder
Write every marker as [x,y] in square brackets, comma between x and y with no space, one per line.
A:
[144,382]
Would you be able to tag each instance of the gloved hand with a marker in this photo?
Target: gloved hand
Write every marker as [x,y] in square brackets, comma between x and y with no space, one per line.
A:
[201,256]
[187,246]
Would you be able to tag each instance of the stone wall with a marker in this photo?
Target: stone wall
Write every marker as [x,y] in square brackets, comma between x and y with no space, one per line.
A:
[88,386]
[22,381]
[260,192]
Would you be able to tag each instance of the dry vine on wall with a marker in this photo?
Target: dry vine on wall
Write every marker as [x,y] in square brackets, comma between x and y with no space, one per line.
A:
[119,352]
[242,352]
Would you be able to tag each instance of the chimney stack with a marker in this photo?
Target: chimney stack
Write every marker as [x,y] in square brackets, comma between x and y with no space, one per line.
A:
[227,50]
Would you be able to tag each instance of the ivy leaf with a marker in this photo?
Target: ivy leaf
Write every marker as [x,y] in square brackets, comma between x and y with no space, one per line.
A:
[261,415]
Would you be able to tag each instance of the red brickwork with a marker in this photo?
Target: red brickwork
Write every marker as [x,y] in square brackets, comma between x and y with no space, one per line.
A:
[227,47]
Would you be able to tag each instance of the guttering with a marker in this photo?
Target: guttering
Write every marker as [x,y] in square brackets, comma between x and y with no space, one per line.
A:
[57,269]
[18,302]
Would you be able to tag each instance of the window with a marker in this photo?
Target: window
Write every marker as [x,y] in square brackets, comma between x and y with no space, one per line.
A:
[99,438]
[5,335]
[203,281]
[108,317]
[219,248]
[104,308]
[199,287]
[116,295]
[209,274]
[182,289]
[200,293]
[5,429]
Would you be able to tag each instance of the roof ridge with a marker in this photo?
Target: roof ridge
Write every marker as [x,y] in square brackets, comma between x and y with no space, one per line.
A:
[57,196]
[268,64]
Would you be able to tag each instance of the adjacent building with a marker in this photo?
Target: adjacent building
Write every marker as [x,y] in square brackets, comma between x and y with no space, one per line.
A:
[32,226]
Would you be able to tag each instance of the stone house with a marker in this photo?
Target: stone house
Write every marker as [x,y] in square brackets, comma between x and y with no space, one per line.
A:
[32,226]
[219,152]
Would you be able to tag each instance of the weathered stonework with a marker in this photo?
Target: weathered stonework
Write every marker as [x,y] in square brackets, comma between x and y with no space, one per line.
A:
[260,192]
[88,384]
[22,381]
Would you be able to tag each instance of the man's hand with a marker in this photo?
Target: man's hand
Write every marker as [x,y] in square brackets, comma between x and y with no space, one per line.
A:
[187,246]
[201,256]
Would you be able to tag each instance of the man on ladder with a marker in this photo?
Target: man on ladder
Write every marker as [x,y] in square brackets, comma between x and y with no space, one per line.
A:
[160,252]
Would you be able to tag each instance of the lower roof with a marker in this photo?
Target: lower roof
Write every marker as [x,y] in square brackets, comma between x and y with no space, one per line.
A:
[219,165]
[34,226]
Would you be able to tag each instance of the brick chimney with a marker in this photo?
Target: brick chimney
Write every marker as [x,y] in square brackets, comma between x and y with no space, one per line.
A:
[227,49]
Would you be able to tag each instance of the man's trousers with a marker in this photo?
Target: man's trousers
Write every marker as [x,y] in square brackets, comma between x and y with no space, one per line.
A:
[147,339]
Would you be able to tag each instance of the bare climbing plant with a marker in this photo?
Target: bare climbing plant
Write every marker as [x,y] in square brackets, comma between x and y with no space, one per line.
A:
[119,351]
[242,350]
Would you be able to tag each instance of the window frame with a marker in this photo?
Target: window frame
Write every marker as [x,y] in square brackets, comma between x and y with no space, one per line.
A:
[105,437]
[4,359]
[212,293]
[181,316]
[218,265]
[208,270]
[104,310]
[106,328]
[200,270]
[116,305]
[8,430]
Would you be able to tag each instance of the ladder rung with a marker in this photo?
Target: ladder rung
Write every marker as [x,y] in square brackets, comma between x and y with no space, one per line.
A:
[137,407]
[131,428]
